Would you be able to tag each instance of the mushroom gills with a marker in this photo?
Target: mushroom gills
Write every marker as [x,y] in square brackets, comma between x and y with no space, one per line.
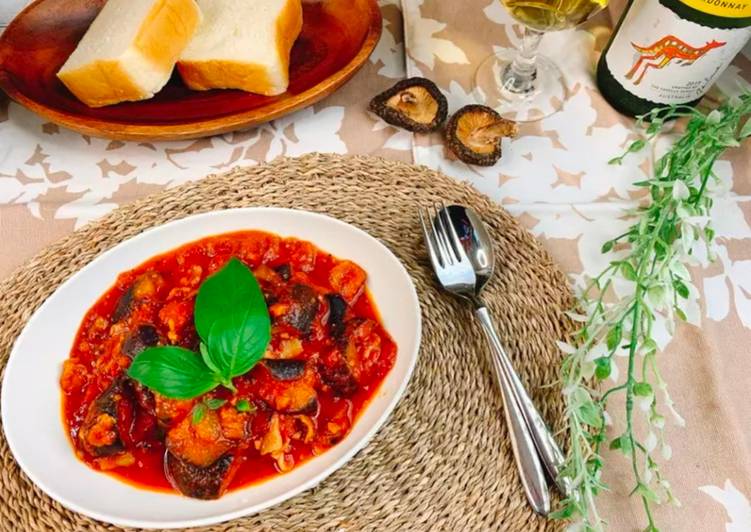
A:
[474,134]
[415,104]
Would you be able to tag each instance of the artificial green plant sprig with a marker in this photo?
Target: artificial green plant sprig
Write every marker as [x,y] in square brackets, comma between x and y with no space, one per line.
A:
[672,229]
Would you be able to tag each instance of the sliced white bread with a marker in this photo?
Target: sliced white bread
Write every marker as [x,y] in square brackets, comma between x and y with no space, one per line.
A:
[130,50]
[242,44]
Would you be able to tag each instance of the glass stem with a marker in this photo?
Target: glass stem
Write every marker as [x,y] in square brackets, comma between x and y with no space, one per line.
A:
[519,76]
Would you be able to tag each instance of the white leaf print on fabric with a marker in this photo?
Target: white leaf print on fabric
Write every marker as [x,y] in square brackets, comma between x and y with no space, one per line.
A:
[40,160]
[736,274]
[457,97]
[497,13]
[422,46]
[400,140]
[716,297]
[389,53]
[305,131]
[736,505]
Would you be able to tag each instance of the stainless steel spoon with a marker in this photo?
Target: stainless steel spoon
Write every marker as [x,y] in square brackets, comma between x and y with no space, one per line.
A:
[479,248]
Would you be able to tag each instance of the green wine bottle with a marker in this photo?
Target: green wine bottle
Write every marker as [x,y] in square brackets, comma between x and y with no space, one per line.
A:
[665,52]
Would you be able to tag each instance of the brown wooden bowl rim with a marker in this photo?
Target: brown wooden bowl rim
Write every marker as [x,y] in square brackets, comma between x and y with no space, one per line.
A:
[200,128]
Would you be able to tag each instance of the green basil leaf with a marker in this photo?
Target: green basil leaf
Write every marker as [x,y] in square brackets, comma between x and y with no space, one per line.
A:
[203,348]
[173,372]
[198,412]
[237,342]
[215,404]
[232,289]
[243,405]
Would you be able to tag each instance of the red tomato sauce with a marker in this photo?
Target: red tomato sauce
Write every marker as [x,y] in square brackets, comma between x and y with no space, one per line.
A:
[328,355]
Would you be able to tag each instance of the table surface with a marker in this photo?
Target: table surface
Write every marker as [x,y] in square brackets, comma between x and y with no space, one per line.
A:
[554,178]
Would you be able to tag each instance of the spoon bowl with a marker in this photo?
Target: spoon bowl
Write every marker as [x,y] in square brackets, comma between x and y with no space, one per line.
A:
[476,241]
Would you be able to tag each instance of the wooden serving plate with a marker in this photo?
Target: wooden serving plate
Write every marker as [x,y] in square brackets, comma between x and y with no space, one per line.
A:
[337,37]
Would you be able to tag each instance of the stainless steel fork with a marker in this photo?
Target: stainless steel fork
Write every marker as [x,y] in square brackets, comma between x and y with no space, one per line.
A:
[457,276]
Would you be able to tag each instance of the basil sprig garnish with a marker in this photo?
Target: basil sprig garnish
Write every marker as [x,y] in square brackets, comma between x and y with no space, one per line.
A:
[232,321]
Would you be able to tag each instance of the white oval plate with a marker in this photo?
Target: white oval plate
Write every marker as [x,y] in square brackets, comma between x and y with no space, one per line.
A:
[31,410]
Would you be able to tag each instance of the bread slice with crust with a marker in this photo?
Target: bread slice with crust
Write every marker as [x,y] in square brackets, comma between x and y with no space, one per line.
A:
[242,44]
[130,50]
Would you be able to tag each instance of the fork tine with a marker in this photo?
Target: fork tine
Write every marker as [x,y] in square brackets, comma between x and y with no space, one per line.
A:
[454,237]
[444,248]
[432,254]
[444,233]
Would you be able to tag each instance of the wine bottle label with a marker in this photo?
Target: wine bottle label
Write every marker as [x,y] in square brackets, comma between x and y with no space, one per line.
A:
[722,8]
[658,56]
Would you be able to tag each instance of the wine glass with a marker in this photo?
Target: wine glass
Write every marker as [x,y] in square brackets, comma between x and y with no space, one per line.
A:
[530,86]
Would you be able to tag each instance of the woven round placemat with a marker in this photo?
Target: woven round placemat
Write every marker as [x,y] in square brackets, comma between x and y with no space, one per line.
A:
[443,460]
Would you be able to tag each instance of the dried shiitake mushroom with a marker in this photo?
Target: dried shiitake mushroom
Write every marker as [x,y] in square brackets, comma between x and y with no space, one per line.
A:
[415,104]
[474,134]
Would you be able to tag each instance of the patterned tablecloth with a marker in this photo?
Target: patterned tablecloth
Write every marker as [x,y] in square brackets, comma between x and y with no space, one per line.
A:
[554,177]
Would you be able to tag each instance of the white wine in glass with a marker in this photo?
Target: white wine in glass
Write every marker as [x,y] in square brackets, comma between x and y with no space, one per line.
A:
[530,87]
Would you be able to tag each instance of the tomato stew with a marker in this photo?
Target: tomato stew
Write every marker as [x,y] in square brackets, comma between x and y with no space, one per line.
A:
[327,357]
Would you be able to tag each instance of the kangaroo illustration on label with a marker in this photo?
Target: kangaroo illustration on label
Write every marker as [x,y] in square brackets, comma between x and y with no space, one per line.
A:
[663,52]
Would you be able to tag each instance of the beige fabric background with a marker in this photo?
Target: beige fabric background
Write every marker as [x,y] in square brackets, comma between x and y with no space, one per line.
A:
[554,178]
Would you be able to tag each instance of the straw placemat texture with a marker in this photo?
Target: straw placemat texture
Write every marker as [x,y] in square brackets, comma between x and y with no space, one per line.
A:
[443,460]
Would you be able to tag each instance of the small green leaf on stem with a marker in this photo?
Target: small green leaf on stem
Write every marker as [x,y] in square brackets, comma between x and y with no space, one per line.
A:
[590,414]
[637,145]
[603,368]
[622,443]
[614,337]
[745,130]
[680,288]
[565,512]
[643,389]
[646,492]
[628,271]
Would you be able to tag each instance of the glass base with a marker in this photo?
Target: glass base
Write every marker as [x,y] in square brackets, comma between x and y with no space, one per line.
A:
[542,98]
